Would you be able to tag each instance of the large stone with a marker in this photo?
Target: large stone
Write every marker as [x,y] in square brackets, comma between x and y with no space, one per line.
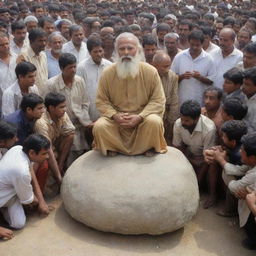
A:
[131,194]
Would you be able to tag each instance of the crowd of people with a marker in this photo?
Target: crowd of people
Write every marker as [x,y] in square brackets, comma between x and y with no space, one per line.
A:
[129,77]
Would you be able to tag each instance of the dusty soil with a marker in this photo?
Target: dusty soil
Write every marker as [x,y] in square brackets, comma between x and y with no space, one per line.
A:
[58,234]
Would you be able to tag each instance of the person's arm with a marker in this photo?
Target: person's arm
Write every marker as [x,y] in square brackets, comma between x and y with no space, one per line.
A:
[251,202]
[54,166]
[42,205]
[201,78]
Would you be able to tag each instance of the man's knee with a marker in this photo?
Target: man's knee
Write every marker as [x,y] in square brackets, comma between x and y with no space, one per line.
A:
[100,125]
[153,120]
[18,222]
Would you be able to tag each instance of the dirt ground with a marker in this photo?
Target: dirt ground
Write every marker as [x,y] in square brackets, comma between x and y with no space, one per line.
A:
[58,234]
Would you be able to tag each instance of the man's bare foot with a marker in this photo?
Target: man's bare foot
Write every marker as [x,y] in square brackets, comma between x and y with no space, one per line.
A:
[112,153]
[210,202]
[225,213]
[150,153]
[6,234]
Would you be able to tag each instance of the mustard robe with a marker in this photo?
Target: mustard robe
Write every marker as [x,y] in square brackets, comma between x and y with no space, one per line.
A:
[142,95]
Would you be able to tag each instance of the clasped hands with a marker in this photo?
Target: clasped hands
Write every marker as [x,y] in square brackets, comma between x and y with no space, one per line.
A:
[127,120]
[189,74]
[213,154]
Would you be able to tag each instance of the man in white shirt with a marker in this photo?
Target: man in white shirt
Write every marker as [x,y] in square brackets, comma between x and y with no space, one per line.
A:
[192,134]
[7,65]
[227,56]
[15,178]
[18,42]
[76,45]
[195,68]
[12,96]
[90,70]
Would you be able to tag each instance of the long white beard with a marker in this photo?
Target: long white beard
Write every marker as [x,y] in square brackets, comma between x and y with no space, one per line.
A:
[130,68]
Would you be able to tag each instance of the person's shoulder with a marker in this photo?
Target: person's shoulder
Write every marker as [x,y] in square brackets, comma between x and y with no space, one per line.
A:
[106,62]
[14,117]
[109,69]
[238,52]
[147,67]
[207,123]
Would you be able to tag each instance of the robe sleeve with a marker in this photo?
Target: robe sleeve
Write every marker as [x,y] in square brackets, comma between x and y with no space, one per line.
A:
[156,103]
[103,102]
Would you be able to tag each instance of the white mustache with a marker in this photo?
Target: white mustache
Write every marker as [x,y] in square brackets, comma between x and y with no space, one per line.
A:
[126,58]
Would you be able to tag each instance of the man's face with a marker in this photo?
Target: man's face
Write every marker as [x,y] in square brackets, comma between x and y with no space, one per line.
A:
[188,123]
[8,143]
[29,79]
[211,101]
[6,17]
[243,38]
[54,14]
[218,27]
[171,44]
[64,30]
[170,22]
[249,25]
[195,47]
[39,12]
[64,14]
[161,35]
[226,41]
[163,67]
[78,37]
[183,31]
[56,44]
[149,51]
[229,86]
[4,45]
[249,59]
[130,19]
[95,27]
[39,44]
[39,157]
[69,71]
[60,110]
[244,158]
[97,54]
[31,25]
[248,88]
[20,34]
[37,112]
[227,142]
[49,27]
[127,47]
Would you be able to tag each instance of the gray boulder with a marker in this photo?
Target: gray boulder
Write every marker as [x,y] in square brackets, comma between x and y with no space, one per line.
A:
[131,194]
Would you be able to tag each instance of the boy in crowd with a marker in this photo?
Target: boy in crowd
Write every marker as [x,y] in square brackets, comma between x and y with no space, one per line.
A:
[233,80]
[57,127]
[192,134]
[16,177]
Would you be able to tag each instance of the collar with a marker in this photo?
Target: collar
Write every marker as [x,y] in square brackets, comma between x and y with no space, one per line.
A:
[32,53]
[201,55]
[198,127]
[91,62]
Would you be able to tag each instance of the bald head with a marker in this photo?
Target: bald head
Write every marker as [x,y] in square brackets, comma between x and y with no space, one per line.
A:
[162,62]
[228,32]
[161,56]
[227,38]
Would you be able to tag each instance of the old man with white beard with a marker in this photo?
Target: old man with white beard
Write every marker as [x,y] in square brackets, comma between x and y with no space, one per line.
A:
[131,101]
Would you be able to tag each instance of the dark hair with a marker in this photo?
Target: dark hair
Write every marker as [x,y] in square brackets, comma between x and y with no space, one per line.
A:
[235,107]
[234,129]
[66,59]
[18,25]
[63,22]
[250,48]
[4,9]
[190,108]
[93,42]
[74,28]
[229,21]
[209,16]
[148,40]
[249,144]
[23,68]
[214,89]
[30,100]
[252,20]
[35,142]
[235,75]
[7,130]
[196,35]
[36,33]
[207,31]
[186,22]
[163,27]
[53,99]
[36,6]
[44,19]
[250,73]
[53,7]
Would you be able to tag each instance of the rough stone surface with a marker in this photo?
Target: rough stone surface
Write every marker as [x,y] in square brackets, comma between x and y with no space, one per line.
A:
[131,194]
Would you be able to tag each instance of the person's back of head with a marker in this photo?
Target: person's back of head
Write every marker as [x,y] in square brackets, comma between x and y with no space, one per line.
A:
[8,134]
[31,101]
[23,68]
[249,147]
[234,130]
[233,109]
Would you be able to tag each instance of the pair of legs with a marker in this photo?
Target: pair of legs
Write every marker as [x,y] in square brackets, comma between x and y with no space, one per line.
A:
[250,230]
[108,136]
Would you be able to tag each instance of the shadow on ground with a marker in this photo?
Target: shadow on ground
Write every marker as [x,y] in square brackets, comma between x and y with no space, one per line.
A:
[136,243]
